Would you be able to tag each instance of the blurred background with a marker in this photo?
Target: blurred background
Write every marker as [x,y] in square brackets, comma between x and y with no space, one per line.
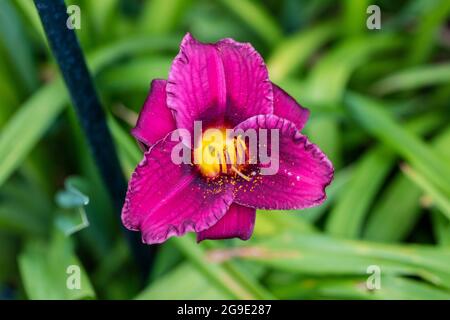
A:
[380,109]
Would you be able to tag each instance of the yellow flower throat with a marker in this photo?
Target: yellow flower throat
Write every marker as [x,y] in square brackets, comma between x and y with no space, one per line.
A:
[217,153]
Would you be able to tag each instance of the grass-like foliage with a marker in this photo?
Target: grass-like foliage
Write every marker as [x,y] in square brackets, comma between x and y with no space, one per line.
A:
[380,109]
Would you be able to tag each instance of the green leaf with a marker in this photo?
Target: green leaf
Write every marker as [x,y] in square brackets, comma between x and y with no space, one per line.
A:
[354,16]
[8,248]
[428,25]
[36,115]
[214,272]
[415,78]
[398,208]
[161,16]
[441,228]
[129,76]
[14,38]
[32,16]
[292,53]
[24,209]
[28,125]
[272,222]
[9,93]
[102,15]
[315,254]
[340,184]
[166,259]
[255,16]
[378,122]
[15,220]
[441,201]
[128,155]
[392,288]
[347,217]
[105,56]
[45,270]
[185,282]
[395,213]
[327,82]
[244,273]
[331,74]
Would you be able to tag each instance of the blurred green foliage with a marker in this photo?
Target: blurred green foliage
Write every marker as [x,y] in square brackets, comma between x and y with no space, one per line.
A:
[380,108]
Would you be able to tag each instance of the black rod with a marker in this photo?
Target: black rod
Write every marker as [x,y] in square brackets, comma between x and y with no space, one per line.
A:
[67,51]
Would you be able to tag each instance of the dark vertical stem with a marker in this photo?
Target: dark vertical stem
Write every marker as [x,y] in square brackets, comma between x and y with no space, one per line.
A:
[68,54]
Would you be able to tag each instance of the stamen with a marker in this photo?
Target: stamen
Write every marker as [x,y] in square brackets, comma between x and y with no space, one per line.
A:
[217,154]
[240,173]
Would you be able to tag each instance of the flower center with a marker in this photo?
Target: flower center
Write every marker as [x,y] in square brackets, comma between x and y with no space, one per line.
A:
[217,153]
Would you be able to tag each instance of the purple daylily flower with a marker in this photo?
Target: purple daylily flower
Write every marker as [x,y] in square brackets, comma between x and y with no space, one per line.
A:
[224,85]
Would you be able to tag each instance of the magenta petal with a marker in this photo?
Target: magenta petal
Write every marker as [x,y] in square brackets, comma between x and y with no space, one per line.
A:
[165,199]
[304,171]
[249,91]
[196,86]
[155,119]
[285,106]
[238,222]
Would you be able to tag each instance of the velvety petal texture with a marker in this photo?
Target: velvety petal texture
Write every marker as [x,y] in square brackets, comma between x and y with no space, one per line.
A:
[196,87]
[249,90]
[155,119]
[238,222]
[222,83]
[165,199]
[304,171]
[284,106]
